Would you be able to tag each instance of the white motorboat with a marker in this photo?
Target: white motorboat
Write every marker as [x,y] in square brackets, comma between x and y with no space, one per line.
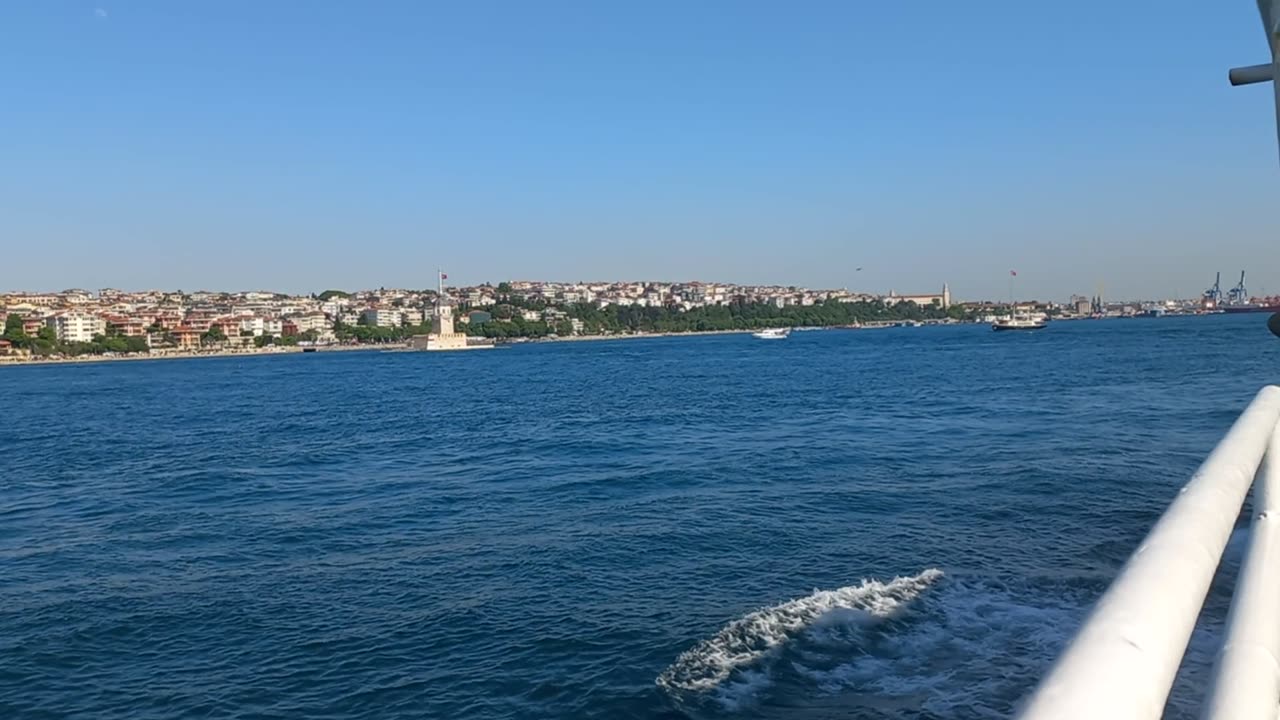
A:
[772,334]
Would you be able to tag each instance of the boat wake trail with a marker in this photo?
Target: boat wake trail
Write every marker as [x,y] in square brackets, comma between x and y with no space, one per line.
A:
[956,647]
[744,650]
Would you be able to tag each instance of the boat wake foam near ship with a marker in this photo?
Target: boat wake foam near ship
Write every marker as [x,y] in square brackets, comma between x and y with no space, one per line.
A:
[954,647]
[746,646]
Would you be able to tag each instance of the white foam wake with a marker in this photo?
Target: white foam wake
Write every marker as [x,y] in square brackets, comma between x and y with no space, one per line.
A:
[753,637]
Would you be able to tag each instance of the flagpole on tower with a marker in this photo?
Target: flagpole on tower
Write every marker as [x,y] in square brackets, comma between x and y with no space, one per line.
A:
[1012,274]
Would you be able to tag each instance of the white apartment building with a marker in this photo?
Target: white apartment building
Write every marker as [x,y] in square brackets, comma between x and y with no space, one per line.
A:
[312,321]
[259,325]
[412,316]
[383,317]
[252,325]
[335,307]
[76,326]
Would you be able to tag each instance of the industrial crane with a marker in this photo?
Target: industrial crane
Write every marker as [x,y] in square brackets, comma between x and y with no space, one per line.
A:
[1238,295]
[1212,297]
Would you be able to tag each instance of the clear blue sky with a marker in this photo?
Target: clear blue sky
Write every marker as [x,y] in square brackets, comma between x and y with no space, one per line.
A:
[245,144]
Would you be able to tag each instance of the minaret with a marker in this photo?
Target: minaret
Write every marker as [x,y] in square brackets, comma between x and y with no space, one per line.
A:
[946,296]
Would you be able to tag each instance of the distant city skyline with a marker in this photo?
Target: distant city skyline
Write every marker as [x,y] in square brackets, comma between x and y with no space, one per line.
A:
[258,145]
[1227,283]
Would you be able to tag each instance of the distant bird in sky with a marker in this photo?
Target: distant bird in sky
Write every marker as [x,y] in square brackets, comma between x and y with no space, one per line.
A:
[858,270]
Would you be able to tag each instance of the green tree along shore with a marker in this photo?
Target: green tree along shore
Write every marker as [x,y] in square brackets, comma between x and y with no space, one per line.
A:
[45,342]
[508,321]
[361,333]
[614,319]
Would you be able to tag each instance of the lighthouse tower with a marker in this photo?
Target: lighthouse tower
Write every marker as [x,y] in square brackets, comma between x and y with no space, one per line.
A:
[442,335]
[442,315]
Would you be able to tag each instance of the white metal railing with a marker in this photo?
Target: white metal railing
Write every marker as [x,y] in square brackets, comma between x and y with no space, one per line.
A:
[1248,674]
[1122,662]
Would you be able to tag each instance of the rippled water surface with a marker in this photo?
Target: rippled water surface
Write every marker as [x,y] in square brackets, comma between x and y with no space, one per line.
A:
[900,523]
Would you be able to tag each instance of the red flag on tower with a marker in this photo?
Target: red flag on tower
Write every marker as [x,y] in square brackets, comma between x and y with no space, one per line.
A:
[1013,273]
[444,276]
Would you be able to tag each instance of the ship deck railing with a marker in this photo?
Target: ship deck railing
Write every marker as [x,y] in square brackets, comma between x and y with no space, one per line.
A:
[1122,663]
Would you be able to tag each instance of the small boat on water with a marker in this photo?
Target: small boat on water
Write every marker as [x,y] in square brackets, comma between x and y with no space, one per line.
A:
[772,334]
[1018,322]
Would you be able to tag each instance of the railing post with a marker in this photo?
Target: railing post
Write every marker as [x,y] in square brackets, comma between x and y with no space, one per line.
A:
[1246,683]
[1122,663]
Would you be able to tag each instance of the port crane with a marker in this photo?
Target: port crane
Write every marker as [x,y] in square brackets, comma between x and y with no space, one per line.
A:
[1238,295]
[1213,296]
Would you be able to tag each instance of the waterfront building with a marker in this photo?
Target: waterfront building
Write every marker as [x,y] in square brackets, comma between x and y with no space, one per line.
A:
[412,316]
[253,325]
[74,326]
[31,324]
[316,321]
[127,325]
[382,317]
[186,337]
[230,326]
[942,299]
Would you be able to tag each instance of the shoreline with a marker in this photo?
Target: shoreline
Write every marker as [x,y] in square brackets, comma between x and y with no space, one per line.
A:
[12,361]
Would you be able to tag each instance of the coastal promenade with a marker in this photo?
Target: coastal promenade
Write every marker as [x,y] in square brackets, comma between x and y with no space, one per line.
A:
[22,360]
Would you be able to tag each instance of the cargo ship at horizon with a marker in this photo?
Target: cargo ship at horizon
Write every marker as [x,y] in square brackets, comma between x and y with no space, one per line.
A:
[1265,305]
[1251,308]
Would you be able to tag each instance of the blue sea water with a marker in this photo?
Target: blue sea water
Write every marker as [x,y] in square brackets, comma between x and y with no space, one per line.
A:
[902,523]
